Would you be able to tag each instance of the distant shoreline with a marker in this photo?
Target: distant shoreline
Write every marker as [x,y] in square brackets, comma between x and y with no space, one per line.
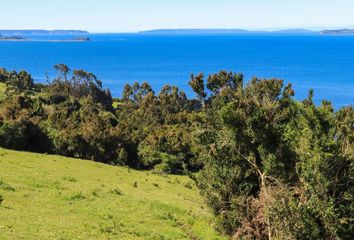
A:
[29,35]
[341,32]
[16,32]
[39,32]
[15,39]
[39,40]
[226,31]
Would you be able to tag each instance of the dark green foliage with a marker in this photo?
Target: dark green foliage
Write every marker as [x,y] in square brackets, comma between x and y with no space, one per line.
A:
[122,157]
[72,116]
[156,128]
[16,82]
[276,168]
[169,149]
[224,80]
[197,84]
[4,75]
[80,85]
[23,135]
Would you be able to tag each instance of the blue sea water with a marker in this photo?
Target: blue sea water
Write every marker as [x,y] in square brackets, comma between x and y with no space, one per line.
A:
[324,63]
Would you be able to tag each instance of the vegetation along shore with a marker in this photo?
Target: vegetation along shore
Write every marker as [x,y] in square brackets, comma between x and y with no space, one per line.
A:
[267,165]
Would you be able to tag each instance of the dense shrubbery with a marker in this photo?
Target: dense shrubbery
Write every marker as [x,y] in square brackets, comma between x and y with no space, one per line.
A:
[72,116]
[271,167]
[156,129]
[276,168]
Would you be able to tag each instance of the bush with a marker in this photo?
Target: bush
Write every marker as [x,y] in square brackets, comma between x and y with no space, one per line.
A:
[162,168]
[276,168]
[23,135]
[122,157]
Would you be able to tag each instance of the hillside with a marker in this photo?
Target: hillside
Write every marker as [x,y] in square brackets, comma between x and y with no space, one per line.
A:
[52,197]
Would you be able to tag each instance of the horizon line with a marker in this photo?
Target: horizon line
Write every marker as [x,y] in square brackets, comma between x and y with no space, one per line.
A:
[270,30]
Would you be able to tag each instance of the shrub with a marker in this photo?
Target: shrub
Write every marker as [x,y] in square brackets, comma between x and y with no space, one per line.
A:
[276,168]
[122,157]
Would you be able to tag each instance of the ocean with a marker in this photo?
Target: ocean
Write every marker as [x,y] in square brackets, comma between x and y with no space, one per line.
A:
[324,63]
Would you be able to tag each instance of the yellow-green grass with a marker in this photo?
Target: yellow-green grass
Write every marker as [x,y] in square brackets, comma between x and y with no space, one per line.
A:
[115,104]
[53,197]
[2,89]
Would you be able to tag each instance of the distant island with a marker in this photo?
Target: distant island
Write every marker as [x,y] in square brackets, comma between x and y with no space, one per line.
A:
[42,32]
[294,31]
[226,31]
[11,38]
[338,32]
[14,34]
[78,38]
[83,39]
[243,31]
[192,31]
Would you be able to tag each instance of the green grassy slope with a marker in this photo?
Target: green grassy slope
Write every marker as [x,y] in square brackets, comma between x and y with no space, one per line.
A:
[52,197]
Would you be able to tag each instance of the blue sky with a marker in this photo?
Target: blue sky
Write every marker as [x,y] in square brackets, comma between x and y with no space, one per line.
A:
[134,15]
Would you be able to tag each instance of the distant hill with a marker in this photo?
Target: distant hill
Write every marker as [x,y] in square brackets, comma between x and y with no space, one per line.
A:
[243,31]
[295,31]
[192,31]
[338,32]
[42,32]
[225,31]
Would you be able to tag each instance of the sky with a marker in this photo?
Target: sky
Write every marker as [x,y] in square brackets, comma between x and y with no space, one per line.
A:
[136,15]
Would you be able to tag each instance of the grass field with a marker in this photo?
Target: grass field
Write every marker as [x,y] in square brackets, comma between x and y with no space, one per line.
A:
[52,197]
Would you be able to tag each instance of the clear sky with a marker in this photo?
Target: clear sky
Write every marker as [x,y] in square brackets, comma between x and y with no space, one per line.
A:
[134,15]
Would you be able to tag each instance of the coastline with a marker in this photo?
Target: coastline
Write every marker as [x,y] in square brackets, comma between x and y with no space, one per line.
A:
[41,40]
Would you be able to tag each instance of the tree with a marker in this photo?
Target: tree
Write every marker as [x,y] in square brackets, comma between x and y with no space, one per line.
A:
[63,71]
[82,84]
[217,82]
[18,82]
[197,84]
